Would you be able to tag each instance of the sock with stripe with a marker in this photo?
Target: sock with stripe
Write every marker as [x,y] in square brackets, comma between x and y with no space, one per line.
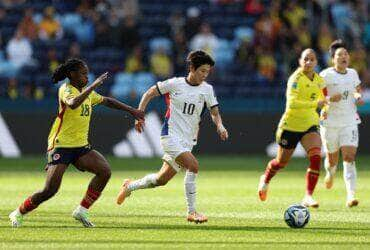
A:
[90,197]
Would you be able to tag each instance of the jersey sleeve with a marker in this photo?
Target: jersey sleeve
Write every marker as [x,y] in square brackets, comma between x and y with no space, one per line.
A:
[293,101]
[66,92]
[95,98]
[166,86]
[211,99]
[356,78]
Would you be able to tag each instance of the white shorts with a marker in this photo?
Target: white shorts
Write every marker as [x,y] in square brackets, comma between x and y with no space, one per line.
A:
[173,147]
[335,138]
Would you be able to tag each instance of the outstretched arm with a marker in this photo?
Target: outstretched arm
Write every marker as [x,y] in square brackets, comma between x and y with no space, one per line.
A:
[145,99]
[217,120]
[115,104]
[75,102]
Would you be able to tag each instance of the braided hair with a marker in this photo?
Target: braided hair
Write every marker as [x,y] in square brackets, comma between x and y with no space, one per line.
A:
[63,70]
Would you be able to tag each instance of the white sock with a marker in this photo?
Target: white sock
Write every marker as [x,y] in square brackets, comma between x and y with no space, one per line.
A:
[19,212]
[329,170]
[82,209]
[190,190]
[148,181]
[350,176]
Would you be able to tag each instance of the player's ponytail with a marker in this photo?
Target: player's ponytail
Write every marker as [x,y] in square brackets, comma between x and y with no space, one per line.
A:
[336,45]
[60,73]
[63,70]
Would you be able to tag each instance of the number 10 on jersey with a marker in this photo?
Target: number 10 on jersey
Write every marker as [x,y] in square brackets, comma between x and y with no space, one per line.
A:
[188,108]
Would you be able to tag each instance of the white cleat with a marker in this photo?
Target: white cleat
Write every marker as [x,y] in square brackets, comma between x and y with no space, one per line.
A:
[308,201]
[83,217]
[16,218]
[262,188]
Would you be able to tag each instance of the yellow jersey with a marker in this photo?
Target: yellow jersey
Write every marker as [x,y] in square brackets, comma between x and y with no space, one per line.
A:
[302,97]
[71,127]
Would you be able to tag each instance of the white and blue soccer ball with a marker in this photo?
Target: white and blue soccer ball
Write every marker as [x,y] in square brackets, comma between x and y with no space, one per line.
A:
[297,216]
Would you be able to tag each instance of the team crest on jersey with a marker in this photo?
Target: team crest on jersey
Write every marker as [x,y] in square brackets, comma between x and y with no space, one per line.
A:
[294,85]
[284,142]
[56,157]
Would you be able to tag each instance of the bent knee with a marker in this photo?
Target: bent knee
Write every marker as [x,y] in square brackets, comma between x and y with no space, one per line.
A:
[281,163]
[349,157]
[105,171]
[161,182]
[193,167]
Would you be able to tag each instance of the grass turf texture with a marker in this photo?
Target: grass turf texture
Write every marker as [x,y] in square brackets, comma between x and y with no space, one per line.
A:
[155,218]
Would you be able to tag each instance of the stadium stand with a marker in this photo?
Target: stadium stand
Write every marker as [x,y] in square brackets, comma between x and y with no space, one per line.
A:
[255,43]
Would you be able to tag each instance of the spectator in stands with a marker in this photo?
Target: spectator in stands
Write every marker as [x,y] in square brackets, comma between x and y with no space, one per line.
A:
[344,19]
[135,61]
[160,64]
[19,50]
[192,23]
[52,60]
[102,32]
[28,25]
[325,38]
[12,89]
[129,33]
[254,7]
[293,14]
[246,57]
[264,31]
[304,34]
[176,23]
[74,51]
[180,50]
[128,7]
[49,27]
[11,3]
[205,40]
[102,7]
[266,63]
[358,59]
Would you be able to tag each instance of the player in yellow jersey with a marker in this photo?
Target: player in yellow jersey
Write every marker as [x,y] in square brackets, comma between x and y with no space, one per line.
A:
[299,123]
[68,140]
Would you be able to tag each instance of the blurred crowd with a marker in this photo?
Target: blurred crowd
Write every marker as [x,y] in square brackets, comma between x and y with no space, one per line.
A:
[255,43]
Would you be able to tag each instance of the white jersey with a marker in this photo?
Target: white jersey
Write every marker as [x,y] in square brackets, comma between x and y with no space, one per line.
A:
[344,112]
[185,105]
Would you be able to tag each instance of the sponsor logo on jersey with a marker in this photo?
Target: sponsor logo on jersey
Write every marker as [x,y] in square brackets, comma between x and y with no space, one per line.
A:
[56,157]
[284,142]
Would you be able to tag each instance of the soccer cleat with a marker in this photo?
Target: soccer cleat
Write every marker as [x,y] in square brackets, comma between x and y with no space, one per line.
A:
[16,218]
[197,218]
[124,192]
[352,203]
[82,217]
[308,201]
[329,177]
[262,188]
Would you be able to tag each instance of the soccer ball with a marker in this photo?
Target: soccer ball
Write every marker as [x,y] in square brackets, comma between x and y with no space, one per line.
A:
[297,216]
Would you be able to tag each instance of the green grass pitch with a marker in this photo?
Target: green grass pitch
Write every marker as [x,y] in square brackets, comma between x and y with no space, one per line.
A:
[155,218]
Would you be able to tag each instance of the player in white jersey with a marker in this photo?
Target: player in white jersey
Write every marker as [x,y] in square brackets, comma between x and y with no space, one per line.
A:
[339,122]
[186,99]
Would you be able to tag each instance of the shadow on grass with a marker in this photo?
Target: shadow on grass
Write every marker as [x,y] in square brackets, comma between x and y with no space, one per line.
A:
[124,241]
[203,227]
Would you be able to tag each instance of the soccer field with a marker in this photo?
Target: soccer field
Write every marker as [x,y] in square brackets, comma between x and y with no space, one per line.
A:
[155,218]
